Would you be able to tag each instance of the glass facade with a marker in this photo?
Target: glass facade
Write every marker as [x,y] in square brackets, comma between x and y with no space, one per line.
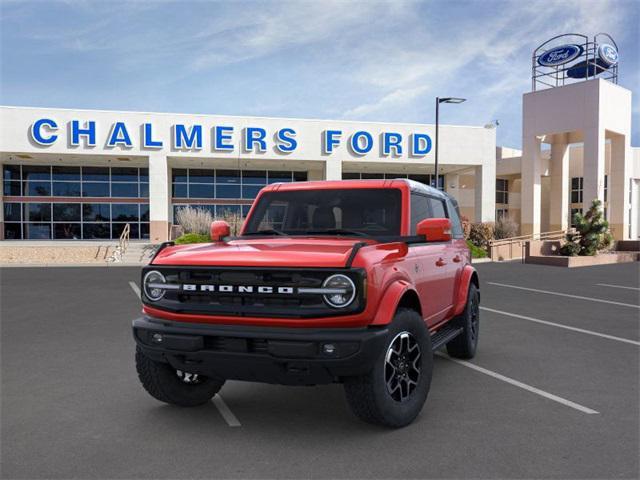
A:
[77,202]
[426,179]
[223,191]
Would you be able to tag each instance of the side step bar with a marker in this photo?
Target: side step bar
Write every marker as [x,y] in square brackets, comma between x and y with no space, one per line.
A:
[444,335]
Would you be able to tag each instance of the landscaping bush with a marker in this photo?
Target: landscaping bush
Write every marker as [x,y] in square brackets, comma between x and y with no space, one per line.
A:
[194,220]
[192,238]
[481,234]
[476,252]
[505,227]
[591,233]
[234,220]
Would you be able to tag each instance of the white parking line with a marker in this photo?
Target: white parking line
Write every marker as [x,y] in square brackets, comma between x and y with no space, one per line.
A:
[566,327]
[226,413]
[616,286]
[590,299]
[135,288]
[524,386]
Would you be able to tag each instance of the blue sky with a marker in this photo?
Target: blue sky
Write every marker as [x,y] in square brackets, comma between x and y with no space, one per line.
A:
[368,60]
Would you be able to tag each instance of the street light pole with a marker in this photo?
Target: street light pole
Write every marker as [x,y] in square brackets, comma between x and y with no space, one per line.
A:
[438,102]
[437,142]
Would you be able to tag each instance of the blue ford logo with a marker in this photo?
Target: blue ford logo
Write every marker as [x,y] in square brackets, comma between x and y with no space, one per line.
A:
[560,55]
[608,54]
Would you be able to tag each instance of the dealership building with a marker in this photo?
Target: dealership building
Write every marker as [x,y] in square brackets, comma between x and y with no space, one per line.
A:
[86,174]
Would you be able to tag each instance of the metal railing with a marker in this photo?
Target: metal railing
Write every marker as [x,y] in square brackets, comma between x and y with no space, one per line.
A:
[123,244]
[514,247]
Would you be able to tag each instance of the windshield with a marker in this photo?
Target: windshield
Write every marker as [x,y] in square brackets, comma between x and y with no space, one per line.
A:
[355,212]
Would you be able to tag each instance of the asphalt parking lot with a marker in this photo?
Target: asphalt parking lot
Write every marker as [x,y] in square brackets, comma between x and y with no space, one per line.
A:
[552,393]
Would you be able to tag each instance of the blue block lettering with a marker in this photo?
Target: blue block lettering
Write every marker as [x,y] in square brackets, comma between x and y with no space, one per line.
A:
[37,134]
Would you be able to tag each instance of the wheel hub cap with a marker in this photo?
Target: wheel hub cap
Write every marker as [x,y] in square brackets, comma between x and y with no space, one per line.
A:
[402,366]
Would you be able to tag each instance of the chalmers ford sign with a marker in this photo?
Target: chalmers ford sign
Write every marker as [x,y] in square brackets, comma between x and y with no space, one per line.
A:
[46,132]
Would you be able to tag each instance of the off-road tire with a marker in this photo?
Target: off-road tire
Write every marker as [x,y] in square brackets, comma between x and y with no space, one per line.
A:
[163,383]
[368,395]
[465,344]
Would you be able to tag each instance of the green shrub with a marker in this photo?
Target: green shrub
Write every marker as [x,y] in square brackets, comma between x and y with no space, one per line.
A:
[192,238]
[476,252]
[591,233]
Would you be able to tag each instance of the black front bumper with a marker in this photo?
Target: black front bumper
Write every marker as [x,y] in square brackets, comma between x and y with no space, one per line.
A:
[261,354]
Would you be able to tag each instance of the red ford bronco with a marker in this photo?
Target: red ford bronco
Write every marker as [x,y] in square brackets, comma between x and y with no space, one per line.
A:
[356,282]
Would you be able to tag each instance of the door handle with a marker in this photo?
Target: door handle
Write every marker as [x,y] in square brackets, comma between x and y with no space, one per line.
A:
[440,262]
[457,259]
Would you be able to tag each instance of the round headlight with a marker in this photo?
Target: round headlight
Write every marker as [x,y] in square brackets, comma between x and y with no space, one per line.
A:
[342,291]
[152,284]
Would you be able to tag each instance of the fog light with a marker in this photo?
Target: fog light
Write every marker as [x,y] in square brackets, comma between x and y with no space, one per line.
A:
[156,338]
[329,348]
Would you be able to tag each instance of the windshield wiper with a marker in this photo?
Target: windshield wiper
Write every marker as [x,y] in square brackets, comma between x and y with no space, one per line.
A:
[336,231]
[266,231]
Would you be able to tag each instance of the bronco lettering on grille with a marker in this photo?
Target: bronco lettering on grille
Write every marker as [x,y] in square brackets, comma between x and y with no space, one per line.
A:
[263,289]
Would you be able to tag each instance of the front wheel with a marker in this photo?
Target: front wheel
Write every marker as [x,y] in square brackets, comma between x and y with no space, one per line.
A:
[172,386]
[394,391]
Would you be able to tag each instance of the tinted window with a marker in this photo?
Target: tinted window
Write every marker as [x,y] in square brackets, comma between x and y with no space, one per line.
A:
[124,189]
[11,172]
[454,216]
[374,212]
[12,189]
[66,173]
[37,189]
[66,189]
[96,212]
[100,174]
[37,212]
[437,208]
[419,210]
[124,212]
[95,189]
[12,212]
[32,172]
[124,174]
[66,212]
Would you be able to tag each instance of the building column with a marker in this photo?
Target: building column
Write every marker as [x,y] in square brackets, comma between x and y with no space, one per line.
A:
[531,186]
[485,192]
[559,196]
[333,169]
[593,167]
[618,188]
[159,197]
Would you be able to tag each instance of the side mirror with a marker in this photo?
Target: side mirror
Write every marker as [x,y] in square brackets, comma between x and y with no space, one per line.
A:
[219,230]
[435,229]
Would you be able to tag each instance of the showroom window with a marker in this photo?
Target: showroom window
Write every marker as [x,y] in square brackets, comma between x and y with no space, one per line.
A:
[232,190]
[74,221]
[425,179]
[78,202]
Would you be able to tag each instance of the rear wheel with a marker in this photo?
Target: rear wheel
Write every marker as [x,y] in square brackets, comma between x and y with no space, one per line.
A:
[172,386]
[465,344]
[394,391]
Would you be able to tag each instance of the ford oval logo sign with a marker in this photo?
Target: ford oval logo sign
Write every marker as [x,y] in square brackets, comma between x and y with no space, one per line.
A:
[608,54]
[560,55]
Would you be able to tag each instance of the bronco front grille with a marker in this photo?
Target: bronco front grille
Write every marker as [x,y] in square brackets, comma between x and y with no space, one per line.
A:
[234,291]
